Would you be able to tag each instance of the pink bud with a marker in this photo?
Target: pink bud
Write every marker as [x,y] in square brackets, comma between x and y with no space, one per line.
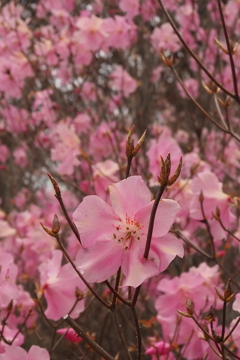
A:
[158,348]
[70,335]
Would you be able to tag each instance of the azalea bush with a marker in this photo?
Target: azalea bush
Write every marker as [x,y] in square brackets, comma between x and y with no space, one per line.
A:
[119,186]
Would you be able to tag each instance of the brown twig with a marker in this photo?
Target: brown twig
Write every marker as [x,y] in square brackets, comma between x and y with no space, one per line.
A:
[99,350]
[194,56]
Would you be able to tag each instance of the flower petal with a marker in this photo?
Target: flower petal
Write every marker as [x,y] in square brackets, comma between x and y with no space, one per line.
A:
[163,250]
[95,220]
[129,195]
[164,219]
[100,261]
[37,353]
[137,269]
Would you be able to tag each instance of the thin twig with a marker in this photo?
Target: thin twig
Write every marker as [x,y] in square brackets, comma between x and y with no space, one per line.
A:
[233,69]
[138,333]
[232,330]
[149,235]
[197,103]
[230,352]
[187,241]
[118,277]
[220,113]
[195,57]
[118,327]
[208,228]
[224,320]
[79,273]
[117,294]
[105,355]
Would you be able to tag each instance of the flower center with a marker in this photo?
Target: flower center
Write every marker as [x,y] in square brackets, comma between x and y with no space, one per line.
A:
[126,232]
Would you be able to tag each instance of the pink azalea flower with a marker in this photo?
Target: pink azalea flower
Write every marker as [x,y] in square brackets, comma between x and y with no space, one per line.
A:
[8,274]
[16,353]
[16,119]
[20,156]
[121,32]
[9,334]
[131,7]
[67,149]
[207,183]
[114,236]
[122,81]
[4,153]
[59,284]
[104,174]
[164,38]
[162,146]
[92,32]
[70,335]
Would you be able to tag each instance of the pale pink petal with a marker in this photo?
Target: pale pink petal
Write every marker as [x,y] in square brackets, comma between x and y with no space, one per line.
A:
[37,353]
[50,269]
[165,249]
[164,219]
[59,292]
[60,303]
[217,231]
[129,195]
[100,261]
[6,229]
[94,219]
[135,268]
[171,285]
[209,207]
[168,302]
[208,183]
[14,353]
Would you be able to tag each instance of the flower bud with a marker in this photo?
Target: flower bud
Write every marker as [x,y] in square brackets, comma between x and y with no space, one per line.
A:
[184,314]
[132,151]
[233,46]
[217,214]
[48,231]
[129,142]
[168,61]
[55,185]
[55,225]
[206,331]
[211,316]
[176,174]
[216,336]
[10,306]
[189,306]
[227,295]
[139,144]
[226,103]
[168,165]
[162,178]
[201,197]
[211,87]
